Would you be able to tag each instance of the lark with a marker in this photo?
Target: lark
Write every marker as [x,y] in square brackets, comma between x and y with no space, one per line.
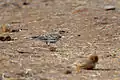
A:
[48,38]
[89,64]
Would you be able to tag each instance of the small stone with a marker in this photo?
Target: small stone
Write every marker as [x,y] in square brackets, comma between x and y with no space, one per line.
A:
[95,17]
[79,35]
[5,38]
[53,49]
[46,4]
[26,3]
[109,7]
[111,55]
[62,31]
[2,38]
[15,30]
[68,72]
[8,38]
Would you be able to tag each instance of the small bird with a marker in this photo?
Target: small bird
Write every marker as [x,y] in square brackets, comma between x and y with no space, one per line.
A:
[48,38]
[88,64]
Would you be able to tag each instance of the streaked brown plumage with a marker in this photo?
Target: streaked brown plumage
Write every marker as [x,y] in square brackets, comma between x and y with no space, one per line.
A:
[88,64]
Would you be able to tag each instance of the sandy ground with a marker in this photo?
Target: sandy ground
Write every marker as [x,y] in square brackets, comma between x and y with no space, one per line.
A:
[88,29]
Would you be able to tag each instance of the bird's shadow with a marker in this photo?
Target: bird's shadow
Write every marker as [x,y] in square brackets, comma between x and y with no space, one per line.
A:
[100,69]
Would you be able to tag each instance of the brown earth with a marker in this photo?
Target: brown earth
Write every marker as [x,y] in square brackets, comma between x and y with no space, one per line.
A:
[89,29]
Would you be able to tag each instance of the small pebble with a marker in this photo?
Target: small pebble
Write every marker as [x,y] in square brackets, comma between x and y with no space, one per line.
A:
[109,7]
[111,55]
[95,17]
[62,31]
[8,38]
[53,49]
[26,3]
[68,72]
[15,30]
[2,38]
